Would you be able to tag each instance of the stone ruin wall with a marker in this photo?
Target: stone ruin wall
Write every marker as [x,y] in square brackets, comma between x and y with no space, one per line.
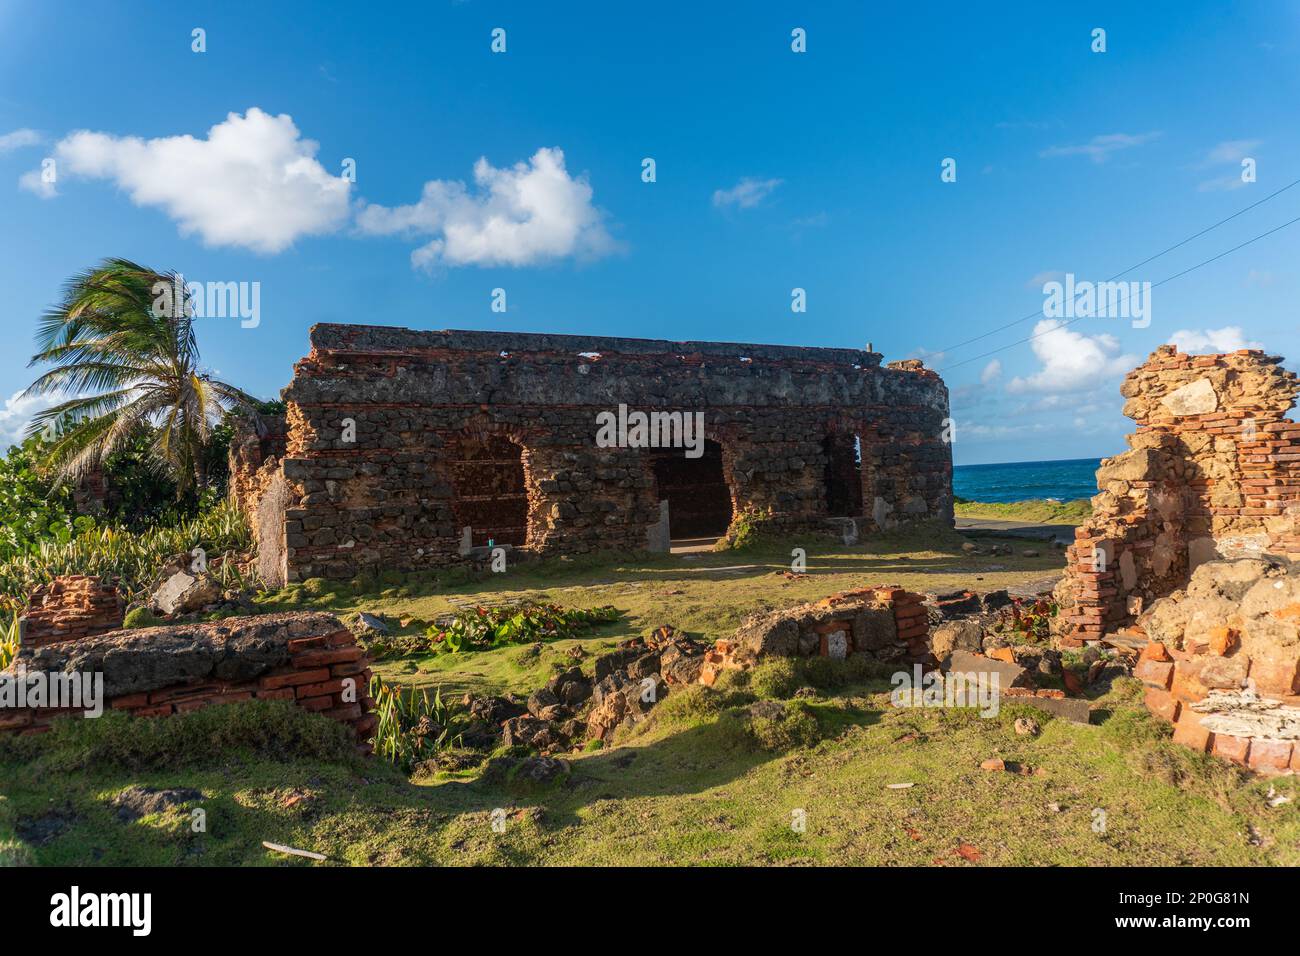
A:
[302,657]
[398,496]
[1213,471]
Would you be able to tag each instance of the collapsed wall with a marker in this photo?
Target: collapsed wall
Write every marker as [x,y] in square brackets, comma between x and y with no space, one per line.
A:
[411,449]
[1213,471]
[305,657]
[70,607]
[1223,662]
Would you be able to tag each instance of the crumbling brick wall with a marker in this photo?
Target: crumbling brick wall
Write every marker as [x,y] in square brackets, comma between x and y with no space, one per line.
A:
[256,446]
[416,404]
[69,608]
[305,657]
[1212,471]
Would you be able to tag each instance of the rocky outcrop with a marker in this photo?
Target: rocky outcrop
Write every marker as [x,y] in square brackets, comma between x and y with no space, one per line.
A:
[1213,471]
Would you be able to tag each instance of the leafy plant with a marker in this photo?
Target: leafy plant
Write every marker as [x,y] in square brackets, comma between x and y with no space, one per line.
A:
[130,558]
[413,726]
[9,640]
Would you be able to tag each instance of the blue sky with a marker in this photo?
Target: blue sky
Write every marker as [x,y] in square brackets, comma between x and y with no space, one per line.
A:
[775,170]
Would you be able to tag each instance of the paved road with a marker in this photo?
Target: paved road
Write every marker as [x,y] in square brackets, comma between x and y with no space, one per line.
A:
[1018,529]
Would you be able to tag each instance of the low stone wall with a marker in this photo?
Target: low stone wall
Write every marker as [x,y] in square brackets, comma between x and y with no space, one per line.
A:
[69,608]
[1223,663]
[1213,471]
[306,657]
[886,623]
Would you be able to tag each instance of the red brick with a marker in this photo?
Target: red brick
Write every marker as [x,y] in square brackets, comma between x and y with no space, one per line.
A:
[280,693]
[293,679]
[1231,748]
[305,643]
[129,701]
[320,658]
[1270,754]
[1162,704]
[346,712]
[1158,674]
[317,703]
[316,690]
[1189,732]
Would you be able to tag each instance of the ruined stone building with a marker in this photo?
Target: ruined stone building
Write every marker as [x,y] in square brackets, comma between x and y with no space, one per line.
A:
[397,441]
[1213,471]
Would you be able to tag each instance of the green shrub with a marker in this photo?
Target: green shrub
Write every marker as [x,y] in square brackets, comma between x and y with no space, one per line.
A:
[775,679]
[130,558]
[142,617]
[827,673]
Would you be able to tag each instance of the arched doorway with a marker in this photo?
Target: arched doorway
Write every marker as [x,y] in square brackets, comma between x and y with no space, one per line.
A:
[699,500]
[489,492]
[843,475]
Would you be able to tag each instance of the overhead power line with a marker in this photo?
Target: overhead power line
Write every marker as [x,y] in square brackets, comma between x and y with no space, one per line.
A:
[1038,312]
[1154,285]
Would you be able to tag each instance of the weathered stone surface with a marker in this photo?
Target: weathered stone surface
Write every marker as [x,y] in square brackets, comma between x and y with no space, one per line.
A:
[1213,473]
[1194,398]
[145,659]
[397,440]
[182,593]
[962,635]
[964,662]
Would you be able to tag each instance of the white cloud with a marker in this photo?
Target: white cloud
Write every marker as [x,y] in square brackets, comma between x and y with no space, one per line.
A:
[746,194]
[1230,338]
[1230,151]
[529,213]
[254,182]
[17,411]
[34,182]
[1071,361]
[992,372]
[18,139]
[1100,148]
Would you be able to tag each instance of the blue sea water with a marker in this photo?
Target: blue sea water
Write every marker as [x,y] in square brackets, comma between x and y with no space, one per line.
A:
[1023,480]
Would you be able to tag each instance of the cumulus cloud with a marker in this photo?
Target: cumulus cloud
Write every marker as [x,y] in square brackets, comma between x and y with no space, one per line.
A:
[253,182]
[18,139]
[35,183]
[746,194]
[1100,148]
[1208,341]
[992,372]
[17,411]
[529,213]
[1071,361]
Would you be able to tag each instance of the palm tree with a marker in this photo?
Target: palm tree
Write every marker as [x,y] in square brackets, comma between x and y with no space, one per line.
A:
[126,334]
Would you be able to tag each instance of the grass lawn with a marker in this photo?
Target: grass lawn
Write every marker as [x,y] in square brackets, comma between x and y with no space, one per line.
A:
[701,782]
[1035,511]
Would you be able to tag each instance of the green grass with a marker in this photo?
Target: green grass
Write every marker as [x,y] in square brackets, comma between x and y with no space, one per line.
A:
[698,784]
[1037,511]
[705,781]
[706,595]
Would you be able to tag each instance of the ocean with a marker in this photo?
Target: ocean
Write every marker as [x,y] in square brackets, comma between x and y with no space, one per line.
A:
[1023,480]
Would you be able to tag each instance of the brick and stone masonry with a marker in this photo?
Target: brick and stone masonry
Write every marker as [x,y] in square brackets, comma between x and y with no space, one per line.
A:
[398,440]
[305,657]
[1213,471]
[71,607]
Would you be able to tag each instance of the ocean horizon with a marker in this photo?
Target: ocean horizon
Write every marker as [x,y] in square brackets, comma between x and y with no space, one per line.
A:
[1064,480]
